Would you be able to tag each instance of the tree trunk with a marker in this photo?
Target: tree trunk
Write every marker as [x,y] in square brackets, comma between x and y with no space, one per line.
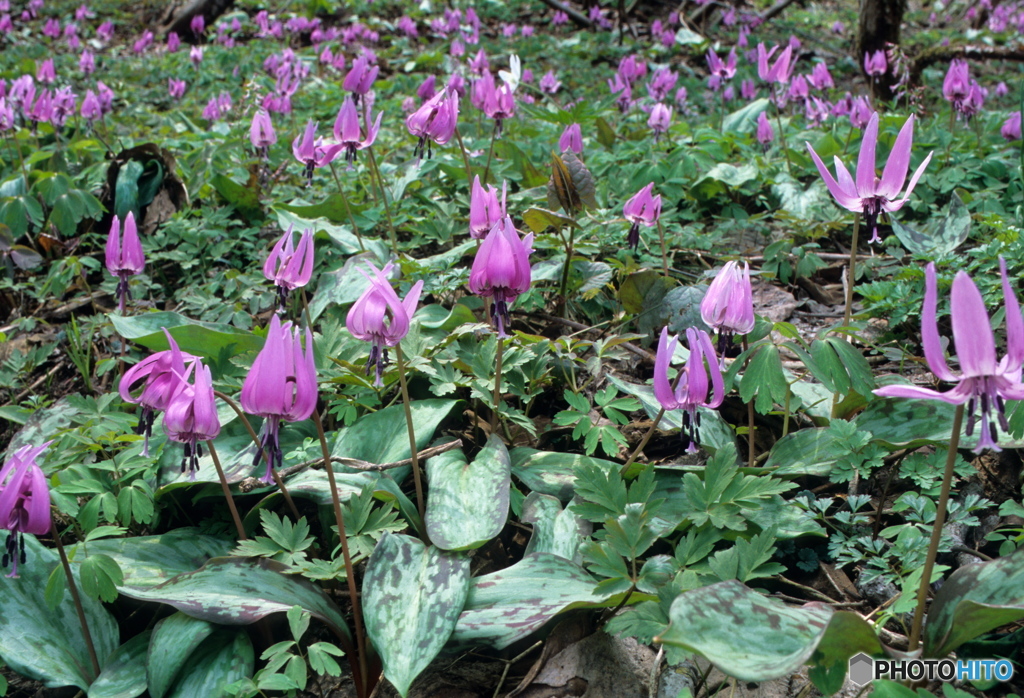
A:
[879,25]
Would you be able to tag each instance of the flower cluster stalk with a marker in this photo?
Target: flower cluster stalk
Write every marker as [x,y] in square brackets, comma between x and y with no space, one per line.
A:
[407,404]
[73,588]
[227,491]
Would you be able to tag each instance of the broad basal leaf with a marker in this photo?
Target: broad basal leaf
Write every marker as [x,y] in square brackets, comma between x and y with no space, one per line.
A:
[174,640]
[124,675]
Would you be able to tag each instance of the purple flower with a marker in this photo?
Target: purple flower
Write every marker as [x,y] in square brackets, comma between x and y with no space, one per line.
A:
[426,90]
[728,305]
[549,83]
[559,18]
[105,31]
[501,270]
[173,42]
[779,71]
[820,77]
[691,389]
[124,256]
[765,132]
[661,84]
[87,63]
[875,64]
[347,131]
[281,385]
[360,77]
[310,151]
[644,207]
[381,318]
[160,373]
[660,119]
[91,109]
[869,194]
[191,415]
[571,139]
[723,70]
[51,28]
[144,42]
[985,380]
[1001,89]
[485,209]
[198,25]
[478,64]
[290,266]
[838,27]
[261,132]
[1011,130]
[435,121]
[956,87]
[45,72]
[407,26]
[24,503]
[747,90]
[861,112]
[798,89]
[195,55]
[632,67]
[176,88]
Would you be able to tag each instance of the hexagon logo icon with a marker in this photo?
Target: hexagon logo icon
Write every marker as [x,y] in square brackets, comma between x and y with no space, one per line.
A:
[861,668]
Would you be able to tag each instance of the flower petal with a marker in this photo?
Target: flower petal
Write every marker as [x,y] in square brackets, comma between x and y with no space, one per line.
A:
[662,361]
[895,173]
[972,332]
[866,160]
[930,329]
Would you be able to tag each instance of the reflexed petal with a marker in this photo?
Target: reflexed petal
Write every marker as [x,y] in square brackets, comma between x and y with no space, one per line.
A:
[930,329]
[914,392]
[847,199]
[895,172]
[113,248]
[695,391]
[662,361]
[717,383]
[1014,324]
[270,266]
[866,160]
[975,343]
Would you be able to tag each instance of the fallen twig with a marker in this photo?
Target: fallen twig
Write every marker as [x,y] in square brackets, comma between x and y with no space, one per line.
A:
[374,467]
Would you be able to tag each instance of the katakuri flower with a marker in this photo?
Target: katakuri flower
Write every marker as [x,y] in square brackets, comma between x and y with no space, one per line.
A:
[777,72]
[728,305]
[660,119]
[875,64]
[956,87]
[571,139]
[1011,129]
[765,132]
[985,381]
[281,385]
[869,194]
[124,256]
[435,121]
[644,207]
[691,391]
[501,270]
[24,503]
[191,415]
[347,132]
[261,132]
[158,374]
[724,70]
[310,151]
[360,77]
[381,318]
[485,209]
[290,266]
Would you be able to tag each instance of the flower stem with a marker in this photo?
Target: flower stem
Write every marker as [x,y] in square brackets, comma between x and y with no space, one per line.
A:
[357,612]
[384,196]
[266,456]
[400,360]
[565,272]
[782,134]
[465,158]
[73,588]
[664,254]
[940,519]
[643,443]
[750,417]
[490,153]
[348,209]
[853,263]
[227,491]
[497,385]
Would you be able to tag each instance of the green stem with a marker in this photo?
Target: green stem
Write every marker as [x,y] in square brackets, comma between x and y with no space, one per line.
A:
[384,196]
[847,313]
[227,491]
[664,254]
[359,666]
[348,209]
[785,410]
[73,588]
[750,417]
[400,360]
[782,136]
[565,272]
[490,153]
[497,385]
[940,519]
[643,443]
[465,158]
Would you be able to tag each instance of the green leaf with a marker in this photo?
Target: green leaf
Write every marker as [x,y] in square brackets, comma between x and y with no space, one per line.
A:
[900,423]
[510,604]
[43,643]
[124,674]
[974,600]
[764,378]
[240,591]
[540,219]
[605,133]
[744,120]
[246,200]
[412,598]
[744,634]
[556,531]
[810,451]
[209,340]
[942,239]
[847,635]
[467,503]
[320,659]
[175,639]
[298,622]
[126,190]
[223,658]
[101,575]
[551,472]
[147,561]
[642,290]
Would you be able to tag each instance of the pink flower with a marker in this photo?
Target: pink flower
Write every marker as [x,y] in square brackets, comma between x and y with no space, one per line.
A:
[691,389]
[820,77]
[861,112]
[309,150]
[660,119]
[985,380]
[196,55]
[572,139]
[348,133]
[728,305]
[435,121]
[485,209]
[644,207]
[559,18]
[24,503]
[289,266]
[87,63]
[191,415]
[661,84]
[198,25]
[91,109]
[501,270]
[426,90]
[159,374]
[1011,129]
[956,87]
[45,72]
[765,132]
[549,83]
[779,71]
[381,318]
[173,42]
[360,77]
[281,385]
[261,132]
[176,88]
[723,70]
[124,256]
[875,63]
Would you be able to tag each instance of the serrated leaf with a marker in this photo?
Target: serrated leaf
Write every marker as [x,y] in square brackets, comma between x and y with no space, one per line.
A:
[412,598]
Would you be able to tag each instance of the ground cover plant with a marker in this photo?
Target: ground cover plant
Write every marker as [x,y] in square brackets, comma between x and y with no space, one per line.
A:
[386,348]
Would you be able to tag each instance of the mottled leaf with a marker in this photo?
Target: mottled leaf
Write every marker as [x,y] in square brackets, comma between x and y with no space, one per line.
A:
[44,425]
[745,634]
[412,598]
[174,640]
[43,643]
[210,340]
[847,634]
[941,239]
[551,472]
[512,603]
[124,675]
[223,658]
[555,530]
[901,423]
[467,503]
[974,600]
[744,120]
[147,561]
[805,452]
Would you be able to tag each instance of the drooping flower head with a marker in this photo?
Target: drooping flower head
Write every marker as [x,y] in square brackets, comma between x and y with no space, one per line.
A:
[485,209]
[158,374]
[191,415]
[728,305]
[435,121]
[24,503]
[360,77]
[261,132]
[691,389]
[571,139]
[501,269]
[281,385]
[956,87]
[868,194]
[765,132]
[311,152]
[124,256]
[381,318]
[290,266]
[723,70]
[347,132]
[985,380]
[1011,129]
[875,64]
[660,119]
[777,72]
[644,207]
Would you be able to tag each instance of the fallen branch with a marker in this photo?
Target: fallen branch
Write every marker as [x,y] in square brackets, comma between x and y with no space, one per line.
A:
[578,18]
[366,466]
[942,54]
